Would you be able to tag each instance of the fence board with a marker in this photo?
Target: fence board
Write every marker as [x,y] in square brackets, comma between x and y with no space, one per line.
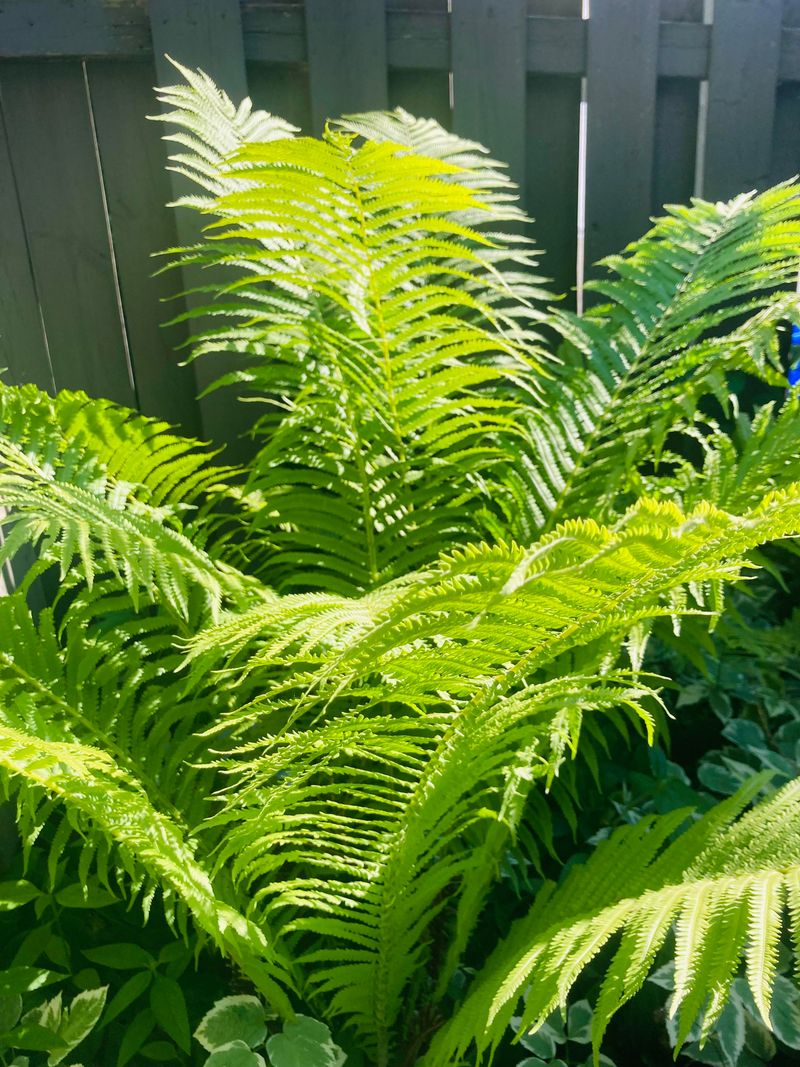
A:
[551,150]
[23,348]
[206,34]
[742,78]
[621,92]
[282,90]
[137,190]
[53,154]
[337,33]
[419,30]
[675,149]
[489,62]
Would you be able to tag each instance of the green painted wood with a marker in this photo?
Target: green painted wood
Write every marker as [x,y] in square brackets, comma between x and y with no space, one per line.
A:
[282,90]
[346,57]
[742,79]
[621,93]
[675,152]
[35,28]
[489,41]
[53,154]
[274,33]
[23,346]
[205,34]
[424,93]
[418,35]
[137,191]
[551,150]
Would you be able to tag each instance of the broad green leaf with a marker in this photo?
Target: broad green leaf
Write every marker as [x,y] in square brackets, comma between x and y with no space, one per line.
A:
[579,1022]
[133,988]
[79,1020]
[236,1054]
[238,1018]
[169,1008]
[121,957]
[26,979]
[785,1015]
[10,1011]
[135,1036]
[85,896]
[305,1042]
[15,894]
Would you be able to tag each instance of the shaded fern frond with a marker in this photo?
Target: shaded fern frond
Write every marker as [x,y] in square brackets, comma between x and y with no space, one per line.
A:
[721,882]
[696,298]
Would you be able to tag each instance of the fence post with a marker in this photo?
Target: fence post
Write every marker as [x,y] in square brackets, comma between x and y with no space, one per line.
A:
[621,69]
[742,83]
[346,58]
[205,34]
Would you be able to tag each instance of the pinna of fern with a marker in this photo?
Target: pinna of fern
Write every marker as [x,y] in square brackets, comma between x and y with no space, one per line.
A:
[348,674]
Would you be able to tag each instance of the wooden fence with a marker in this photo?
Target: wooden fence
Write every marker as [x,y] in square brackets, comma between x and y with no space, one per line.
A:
[681,96]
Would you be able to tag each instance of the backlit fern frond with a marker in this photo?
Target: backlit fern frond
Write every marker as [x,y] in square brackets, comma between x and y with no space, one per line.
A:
[390,378]
[211,127]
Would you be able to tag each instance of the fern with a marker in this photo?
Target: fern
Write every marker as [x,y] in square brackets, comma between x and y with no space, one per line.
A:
[314,703]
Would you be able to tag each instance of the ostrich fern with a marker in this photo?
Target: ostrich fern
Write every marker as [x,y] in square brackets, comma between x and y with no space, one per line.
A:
[312,704]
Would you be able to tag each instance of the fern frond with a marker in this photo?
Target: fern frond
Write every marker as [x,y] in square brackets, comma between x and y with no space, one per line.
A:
[211,128]
[95,485]
[719,881]
[638,366]
[469,644]
[391,344]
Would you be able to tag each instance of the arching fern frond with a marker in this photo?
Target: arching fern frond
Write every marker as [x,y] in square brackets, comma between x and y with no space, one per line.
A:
[720,881]
[98,486]
[470,644]
[389,374]
[696,298]
[211,127]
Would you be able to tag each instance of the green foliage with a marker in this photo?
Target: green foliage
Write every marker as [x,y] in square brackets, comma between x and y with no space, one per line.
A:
[319,708]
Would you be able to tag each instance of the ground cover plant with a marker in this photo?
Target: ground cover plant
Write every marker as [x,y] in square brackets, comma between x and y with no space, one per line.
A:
[345,725]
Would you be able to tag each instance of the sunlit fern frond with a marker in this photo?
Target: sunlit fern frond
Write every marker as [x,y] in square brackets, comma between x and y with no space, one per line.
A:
[99,487]
[211,127]
[727,887]
[395,390]
[430,703]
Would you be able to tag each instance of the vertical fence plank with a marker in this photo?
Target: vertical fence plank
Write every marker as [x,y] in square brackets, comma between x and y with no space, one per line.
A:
[422,92]
[205,34]
[488,55]
[137,191]
[282,90]
[551,149]
[676,118]
[621,93]
[786,134]
[346,57]
[742,79]
[53,155]
[23,348]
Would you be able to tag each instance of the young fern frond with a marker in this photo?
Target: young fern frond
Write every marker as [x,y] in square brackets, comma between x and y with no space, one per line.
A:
[378,326]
